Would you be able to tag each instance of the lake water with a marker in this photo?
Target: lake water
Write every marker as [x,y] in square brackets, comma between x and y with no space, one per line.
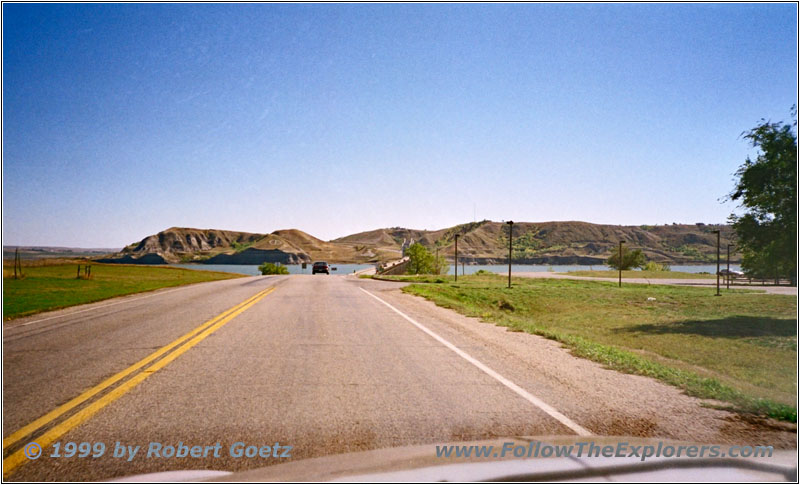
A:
[563,268]
[252,269]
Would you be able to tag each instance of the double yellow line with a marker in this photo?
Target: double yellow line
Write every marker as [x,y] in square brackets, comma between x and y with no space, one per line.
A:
[180,345]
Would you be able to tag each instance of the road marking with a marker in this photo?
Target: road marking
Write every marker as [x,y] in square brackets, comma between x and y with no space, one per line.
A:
[579,430]
[49,437]
[33,426]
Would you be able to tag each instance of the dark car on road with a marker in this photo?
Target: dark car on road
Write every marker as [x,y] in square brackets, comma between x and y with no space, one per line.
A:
[321,267]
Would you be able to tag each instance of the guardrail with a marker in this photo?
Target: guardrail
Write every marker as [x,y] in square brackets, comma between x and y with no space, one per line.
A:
[763,281]
[394,267]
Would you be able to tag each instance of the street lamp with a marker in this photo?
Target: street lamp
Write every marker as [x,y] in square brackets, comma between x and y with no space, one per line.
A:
[456,257]
[728,265]
[510,236]
[619,262]
[718,293]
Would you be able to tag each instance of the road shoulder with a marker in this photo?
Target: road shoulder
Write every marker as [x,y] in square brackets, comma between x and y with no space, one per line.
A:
[605,401]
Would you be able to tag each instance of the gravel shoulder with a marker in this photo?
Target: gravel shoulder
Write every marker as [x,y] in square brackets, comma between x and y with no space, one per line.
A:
[605,401]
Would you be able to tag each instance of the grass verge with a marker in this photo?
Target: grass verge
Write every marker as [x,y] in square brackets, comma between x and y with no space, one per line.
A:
[740,348]
[49,287]
[677,275]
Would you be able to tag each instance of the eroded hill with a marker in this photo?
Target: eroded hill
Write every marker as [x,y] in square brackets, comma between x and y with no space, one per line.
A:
[483,242]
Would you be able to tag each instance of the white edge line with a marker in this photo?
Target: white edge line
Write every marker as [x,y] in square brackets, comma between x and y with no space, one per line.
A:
[578,429]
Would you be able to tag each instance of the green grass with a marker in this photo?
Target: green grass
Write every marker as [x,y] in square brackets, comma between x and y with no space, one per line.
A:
[417,278]
[56,286]
[740,348]
[239,247]
[645,274]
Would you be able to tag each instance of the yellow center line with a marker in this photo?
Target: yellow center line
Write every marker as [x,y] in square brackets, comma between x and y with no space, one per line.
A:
[15,459]
[33,426]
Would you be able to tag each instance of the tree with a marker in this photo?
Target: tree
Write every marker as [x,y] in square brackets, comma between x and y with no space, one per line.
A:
[767,190]
[421,261]
[269,268]
[630,259]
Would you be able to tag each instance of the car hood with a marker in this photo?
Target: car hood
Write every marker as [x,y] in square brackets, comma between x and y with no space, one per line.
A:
[419,463]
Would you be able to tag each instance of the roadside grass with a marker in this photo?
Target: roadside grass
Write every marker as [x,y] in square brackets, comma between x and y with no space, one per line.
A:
[8,264]
[740,348]
[645,274]
[417,278]
[49,287]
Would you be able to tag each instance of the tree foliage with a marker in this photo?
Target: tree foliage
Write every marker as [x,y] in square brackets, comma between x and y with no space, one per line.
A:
[421,261]
[630,259]
[767,190]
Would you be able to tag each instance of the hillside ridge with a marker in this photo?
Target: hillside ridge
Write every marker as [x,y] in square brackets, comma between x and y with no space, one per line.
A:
[482,242]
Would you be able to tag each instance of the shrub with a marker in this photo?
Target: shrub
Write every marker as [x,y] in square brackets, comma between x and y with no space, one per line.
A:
[653,266]
[630,259]
[270,268]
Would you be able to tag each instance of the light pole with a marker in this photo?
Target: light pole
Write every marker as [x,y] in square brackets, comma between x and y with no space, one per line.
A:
[718,293]
[619,262]
[510,236]
[728,281]
[456,257]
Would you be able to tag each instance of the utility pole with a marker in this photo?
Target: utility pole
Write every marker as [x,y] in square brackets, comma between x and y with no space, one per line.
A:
[437,259]
[718,293]
[510,237]
[619,262]
[456,257]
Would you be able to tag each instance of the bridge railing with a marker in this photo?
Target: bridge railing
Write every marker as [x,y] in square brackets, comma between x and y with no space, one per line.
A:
[394,267]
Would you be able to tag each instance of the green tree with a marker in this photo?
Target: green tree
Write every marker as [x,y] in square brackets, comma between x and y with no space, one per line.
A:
[630,259]
[270,268]
[421,261]
[767,190]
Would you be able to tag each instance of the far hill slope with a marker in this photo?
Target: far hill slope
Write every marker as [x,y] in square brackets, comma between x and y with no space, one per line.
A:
[486,242]
[563,242]
[185,245]
[213,246]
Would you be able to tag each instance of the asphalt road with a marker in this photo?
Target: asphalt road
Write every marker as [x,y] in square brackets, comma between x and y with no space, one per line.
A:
[324,364]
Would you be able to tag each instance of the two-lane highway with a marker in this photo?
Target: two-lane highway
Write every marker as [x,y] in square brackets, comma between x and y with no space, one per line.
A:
[323,364]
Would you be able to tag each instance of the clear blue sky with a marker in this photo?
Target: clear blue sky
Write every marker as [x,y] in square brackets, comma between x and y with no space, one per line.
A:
[122,120]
